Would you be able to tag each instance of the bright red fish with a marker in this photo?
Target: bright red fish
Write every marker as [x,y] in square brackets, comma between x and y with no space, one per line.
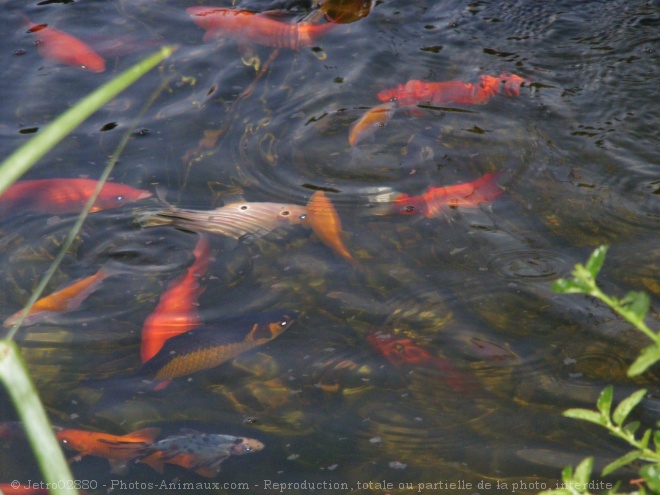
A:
[64,48]
[403,351]
[176,312]
[118,449]
[255,28]
[18,489]
[436,199]
[58,196]
[438,93]
[66,299]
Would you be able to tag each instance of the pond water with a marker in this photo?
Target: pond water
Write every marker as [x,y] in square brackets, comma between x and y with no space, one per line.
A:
[230,119]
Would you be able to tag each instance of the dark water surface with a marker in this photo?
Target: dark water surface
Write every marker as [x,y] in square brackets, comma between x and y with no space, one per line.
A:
[577,150]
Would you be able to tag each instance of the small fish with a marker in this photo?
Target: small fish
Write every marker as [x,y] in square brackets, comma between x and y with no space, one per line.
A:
[371,120]
[436,199]
[59,196]
[18,489]
[322,217]
[403,351]
[67,299]
[118,449]
[176,311]
[457,92]
[64,48]
[255,28]
[241,220]
[200,452]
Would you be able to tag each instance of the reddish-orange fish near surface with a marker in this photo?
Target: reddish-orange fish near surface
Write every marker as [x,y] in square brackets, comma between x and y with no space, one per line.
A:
[403,351]
[176,312]
[322,217]
[58,196]
[66,299]
[64,48]
[118,449]
[16,488]
[437,199]
[371,120]
[255,28]
[415,92]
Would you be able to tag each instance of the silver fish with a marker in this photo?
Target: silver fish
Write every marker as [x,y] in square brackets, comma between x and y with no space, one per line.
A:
[241,220]
[199,452]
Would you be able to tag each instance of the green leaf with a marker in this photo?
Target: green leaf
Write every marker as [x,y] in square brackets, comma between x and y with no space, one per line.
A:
[656,440]
[570,286]
[583,471]
[604,403]
[586,415]
[651,474]
[631,427]
[637,303]
[644,442]
[595,261]
[648,357]
[567,474]
[628,404]
[624,460]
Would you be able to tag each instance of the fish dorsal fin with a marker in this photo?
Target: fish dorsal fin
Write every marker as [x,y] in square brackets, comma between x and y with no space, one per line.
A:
[144,434]
[189,431]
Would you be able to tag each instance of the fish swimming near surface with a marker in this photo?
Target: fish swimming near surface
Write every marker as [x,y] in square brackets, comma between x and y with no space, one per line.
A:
[453,92]
[118,449]
[200,452]
[255,28]
[176,311]
[69,298]
[18,489]
[402,351]
[240,220]
[371,120]
[438,199]
[60,196]
[324,220]
[65,48]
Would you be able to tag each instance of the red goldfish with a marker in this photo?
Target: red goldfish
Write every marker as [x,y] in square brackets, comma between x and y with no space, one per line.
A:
[200,452]
[118,449]
[64,48]
[66,299]
[459,92]
[176,312]
[57,196]
[255,28]
[322,217]
[464,195]
[15,488]
[403,351]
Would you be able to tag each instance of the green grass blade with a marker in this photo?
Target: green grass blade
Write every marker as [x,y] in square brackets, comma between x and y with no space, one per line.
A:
[27,155]
[14,375]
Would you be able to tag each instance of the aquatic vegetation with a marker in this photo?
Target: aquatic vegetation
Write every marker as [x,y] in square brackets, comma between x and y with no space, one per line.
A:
[633,307]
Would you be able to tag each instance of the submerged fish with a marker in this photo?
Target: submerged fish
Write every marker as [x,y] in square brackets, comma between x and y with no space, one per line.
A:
[437,199]
[200,452]
[69,298]
[58,196]
[322,217]
[65,48]
[237,220]
[255,28]
[404,351]
[371,120]
[176,311]
[118,449]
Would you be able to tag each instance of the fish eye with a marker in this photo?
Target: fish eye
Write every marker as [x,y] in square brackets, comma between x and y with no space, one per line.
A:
[283,323]
[119,199]
[303,216]
[408,209]
[244,207]
[286,213]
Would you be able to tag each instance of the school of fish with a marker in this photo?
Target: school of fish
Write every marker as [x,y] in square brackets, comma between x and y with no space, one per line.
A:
[175,342]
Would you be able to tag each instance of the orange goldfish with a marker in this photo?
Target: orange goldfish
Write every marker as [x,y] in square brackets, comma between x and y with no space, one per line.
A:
[200,452]
[370,121]
[255,28]
[64,48]
[15,488]
[464,195]
[66,299]
[118,449]
[58,196]
[403,351]
[322,217]
[176,312]
[459,92]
